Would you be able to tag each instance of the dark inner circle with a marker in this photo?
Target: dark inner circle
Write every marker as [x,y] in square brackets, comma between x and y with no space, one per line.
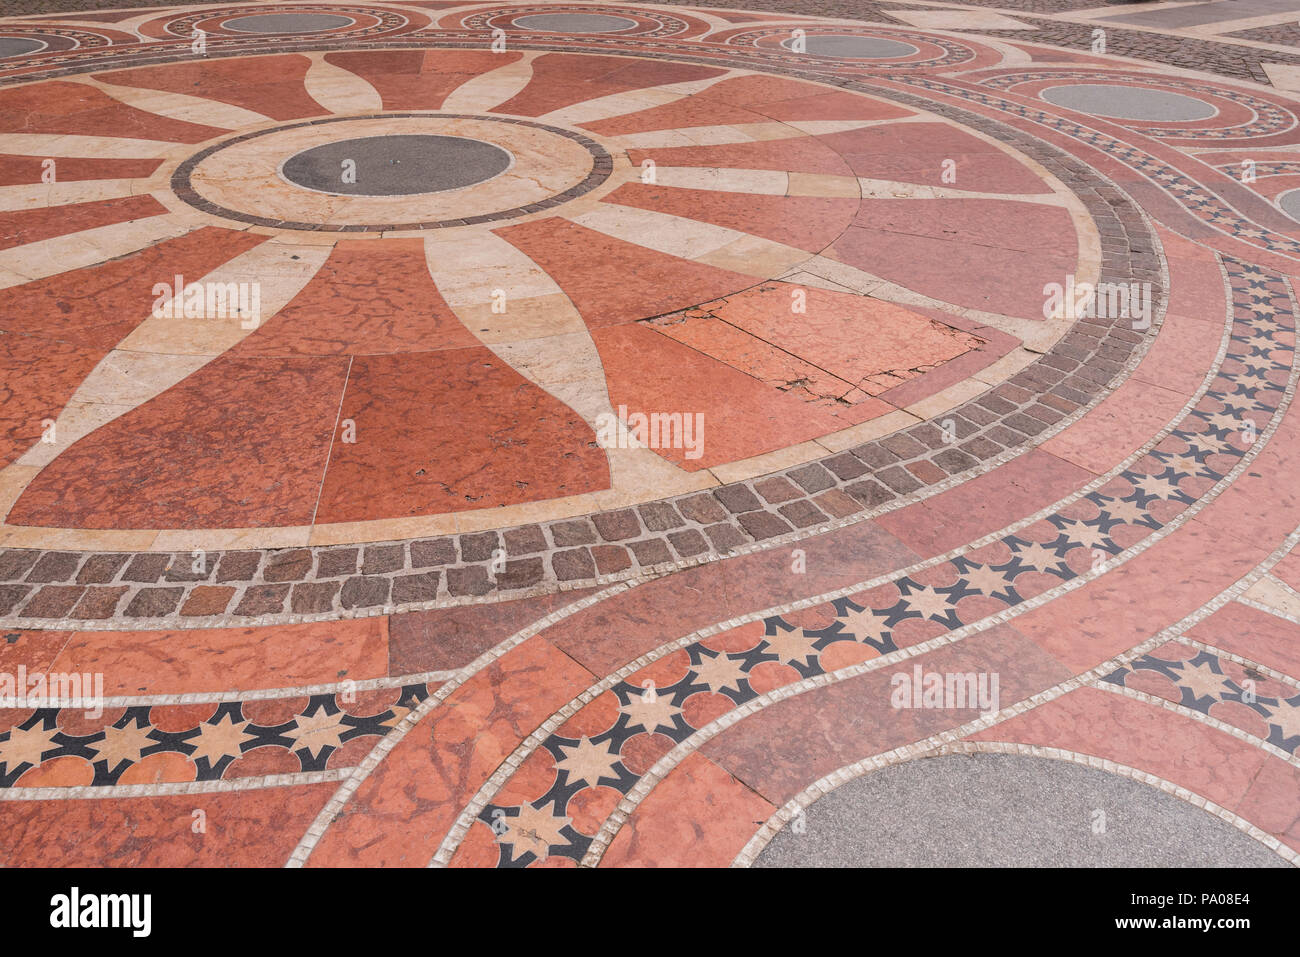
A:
[15,46]
[397,165]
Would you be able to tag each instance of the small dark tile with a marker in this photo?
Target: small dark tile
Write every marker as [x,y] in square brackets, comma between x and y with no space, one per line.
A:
[702,508]
[569,534]
[287,566]
[154,602]
[468,580]
[617,526]
[382,559]
[479,546]
[689,543]
[573,565]
[365,591]
[762,525]
[54,567]
[422,586]
[651,551]
[432,551]
[660,516]
[336,562]
[527,540]
[146,568]
[313,598]
[238,566]
[101,569]
[737,498]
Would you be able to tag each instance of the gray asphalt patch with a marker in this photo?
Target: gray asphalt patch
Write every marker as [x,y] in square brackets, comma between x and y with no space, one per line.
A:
[1001,810]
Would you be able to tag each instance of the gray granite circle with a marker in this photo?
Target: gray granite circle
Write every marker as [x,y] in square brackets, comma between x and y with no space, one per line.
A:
[1129,103]
[854,48]
[288,23]
[1005,810]
[396,165]
[1289,203]
[574,23]
[17,46]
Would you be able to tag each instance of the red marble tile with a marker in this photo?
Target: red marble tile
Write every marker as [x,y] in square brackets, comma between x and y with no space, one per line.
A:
[273,86]
[371,297]
[422,448]
[803,154]
[749,99]
[99,305]
[443,639]
[1182,355]
[32,225]
[698,110]
[708,331]
[650,283]
[1202,759]
[1117,426]
[1263,504]
[918,152]
[560,80]
[629,624]
[867,342]
[256,828]
[199,660]
[1288,569]
[1255,635]
[1004,223]
[1175,577]
[1272,802]
[742,415]
[33,650]
[239,443]
[418,79]
[698,816]
[76,108]
[38,376]
[832,105]
[788,745]
[805,222]
[17,170]
[989,278]
[401,812]
[1195,279]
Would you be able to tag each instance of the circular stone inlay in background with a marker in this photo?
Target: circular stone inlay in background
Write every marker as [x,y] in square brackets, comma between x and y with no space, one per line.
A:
[1129,103]
[1290,204]
[574,23]
[288,23]
[855,48]
[397,165]
[1006,810]
[16,46]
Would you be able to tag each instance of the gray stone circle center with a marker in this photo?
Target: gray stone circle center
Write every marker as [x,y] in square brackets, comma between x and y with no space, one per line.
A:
[1129,103]
[396,165]
[288,23]
[17,46]
[847,47]
[574,23]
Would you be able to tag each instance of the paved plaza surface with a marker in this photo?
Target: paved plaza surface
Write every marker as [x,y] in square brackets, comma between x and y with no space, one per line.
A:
[786,432]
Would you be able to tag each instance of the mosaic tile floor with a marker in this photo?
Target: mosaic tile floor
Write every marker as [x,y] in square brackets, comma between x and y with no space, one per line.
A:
[581,434]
